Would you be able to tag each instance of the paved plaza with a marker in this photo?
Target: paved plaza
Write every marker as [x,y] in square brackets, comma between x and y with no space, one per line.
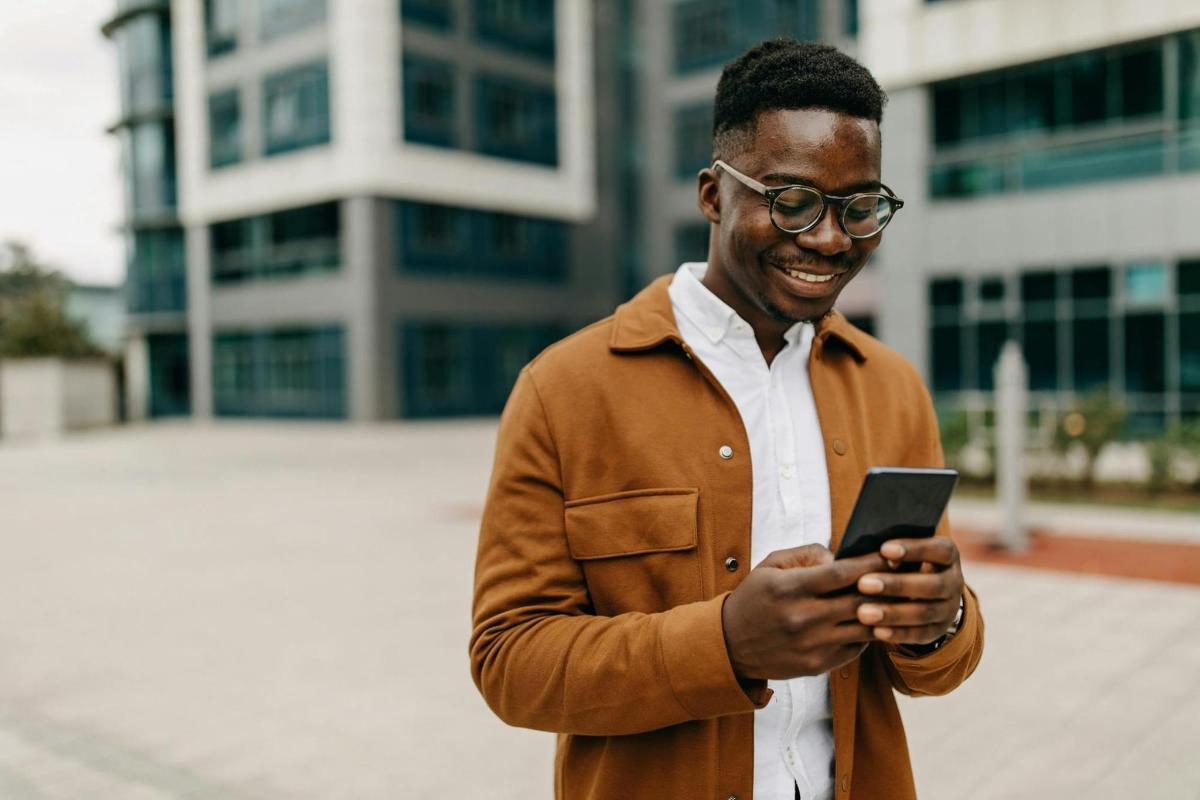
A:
[276,611]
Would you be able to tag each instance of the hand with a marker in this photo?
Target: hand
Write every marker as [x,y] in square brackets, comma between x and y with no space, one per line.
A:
[781,621]
[916,607]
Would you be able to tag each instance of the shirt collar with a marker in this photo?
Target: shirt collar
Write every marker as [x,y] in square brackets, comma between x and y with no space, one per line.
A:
[647,320]
[711,314]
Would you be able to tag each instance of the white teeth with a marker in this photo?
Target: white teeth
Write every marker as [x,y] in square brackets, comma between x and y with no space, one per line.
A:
[808,276]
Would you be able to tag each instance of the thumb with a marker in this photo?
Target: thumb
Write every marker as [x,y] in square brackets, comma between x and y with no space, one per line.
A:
[810,555]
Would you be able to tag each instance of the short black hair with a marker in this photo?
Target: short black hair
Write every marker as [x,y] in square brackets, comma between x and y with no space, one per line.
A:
[785,73]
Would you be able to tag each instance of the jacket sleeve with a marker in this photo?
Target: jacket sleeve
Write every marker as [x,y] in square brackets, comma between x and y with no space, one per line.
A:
[539,655]
[944,669]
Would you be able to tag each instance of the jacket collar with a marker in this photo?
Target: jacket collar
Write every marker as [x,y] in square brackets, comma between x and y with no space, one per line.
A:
[647,320]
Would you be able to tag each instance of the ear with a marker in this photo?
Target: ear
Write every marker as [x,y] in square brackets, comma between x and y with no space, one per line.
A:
[708,194]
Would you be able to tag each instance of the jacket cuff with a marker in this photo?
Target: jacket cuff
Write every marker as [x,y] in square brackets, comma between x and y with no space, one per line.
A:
[949,653]
[696,661]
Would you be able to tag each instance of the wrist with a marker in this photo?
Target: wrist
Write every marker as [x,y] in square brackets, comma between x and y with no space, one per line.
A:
[925,649]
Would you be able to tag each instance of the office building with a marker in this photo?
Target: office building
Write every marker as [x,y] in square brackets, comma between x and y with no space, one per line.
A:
[1049,157]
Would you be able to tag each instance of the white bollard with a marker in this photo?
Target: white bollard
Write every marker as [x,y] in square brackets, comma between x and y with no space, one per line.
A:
[1012,400]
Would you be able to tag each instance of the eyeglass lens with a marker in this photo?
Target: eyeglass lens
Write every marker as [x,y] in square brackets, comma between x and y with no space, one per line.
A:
[797,208]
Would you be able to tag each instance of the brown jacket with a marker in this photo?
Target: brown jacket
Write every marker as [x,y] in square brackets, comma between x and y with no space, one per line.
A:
[601,567]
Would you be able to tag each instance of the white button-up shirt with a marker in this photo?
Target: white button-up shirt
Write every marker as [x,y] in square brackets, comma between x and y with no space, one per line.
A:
[793,733]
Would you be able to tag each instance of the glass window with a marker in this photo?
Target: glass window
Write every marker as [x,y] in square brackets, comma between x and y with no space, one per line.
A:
[437,370]
[850,18]
[221,26]
[296,109]
[1091,289]
[429,102]
[1144,353]
[517,120]
[445,240]
[144,54]
[1189,278]
[170,377]
[148,152]
[1141,74]
[693,139]
[1040,348]
[434,13]
[1189,75]
[990,339]
[283,372]
[945,355]
[947,112]
[992,102]
[705,33]
[1038,109]
[1146,283]
[278,17]
[224,129]
[968,178]
[456,368]
[291,242]
[991,290]
[1090,355]
[156,280]
[798,19]
[946,292]
[1189,352]
[525,26]
[1038,287]
[1066,165]
[1086,83]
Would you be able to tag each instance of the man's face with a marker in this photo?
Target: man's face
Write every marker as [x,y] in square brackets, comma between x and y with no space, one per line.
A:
[834,152]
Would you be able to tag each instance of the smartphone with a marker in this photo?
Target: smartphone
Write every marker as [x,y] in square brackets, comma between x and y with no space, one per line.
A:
[896,503]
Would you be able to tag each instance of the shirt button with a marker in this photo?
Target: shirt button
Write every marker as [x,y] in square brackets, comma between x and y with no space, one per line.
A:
[839,447]
[726,452]
[788,471]
[731,564]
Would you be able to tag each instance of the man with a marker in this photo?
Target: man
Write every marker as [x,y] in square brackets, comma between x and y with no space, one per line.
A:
[723,418]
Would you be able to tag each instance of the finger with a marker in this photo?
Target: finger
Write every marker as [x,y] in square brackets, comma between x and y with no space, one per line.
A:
[939,550]
[839,574]
[810,555]
[921,635]
[915,585]
[851,633]
[841,608]
[908,615]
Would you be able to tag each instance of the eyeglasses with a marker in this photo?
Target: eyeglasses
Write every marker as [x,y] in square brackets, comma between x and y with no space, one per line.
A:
[796,209]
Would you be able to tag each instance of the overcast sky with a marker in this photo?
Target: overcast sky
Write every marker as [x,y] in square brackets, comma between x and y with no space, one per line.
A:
[60,185]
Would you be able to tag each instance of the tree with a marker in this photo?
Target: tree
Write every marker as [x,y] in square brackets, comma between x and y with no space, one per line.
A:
[1093,423]
[33,320]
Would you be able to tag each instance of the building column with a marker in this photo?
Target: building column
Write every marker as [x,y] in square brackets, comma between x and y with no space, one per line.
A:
[360,267]
[199,320]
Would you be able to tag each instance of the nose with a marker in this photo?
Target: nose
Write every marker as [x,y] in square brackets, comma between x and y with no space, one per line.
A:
[827,236]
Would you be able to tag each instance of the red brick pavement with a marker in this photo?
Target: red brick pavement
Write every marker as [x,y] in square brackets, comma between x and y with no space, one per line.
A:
[1172,562]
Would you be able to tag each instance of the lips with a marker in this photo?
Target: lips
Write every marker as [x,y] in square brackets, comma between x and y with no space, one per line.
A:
[806,282]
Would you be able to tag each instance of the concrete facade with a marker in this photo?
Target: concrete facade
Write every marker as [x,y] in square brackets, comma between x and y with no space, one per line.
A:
[45,397]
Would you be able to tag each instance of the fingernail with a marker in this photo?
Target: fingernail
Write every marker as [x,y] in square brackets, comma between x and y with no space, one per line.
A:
[870,585]
[869,615]
[892,550]
[883,633]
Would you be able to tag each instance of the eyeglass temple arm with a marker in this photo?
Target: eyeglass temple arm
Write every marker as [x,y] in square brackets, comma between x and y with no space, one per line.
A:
[745,179]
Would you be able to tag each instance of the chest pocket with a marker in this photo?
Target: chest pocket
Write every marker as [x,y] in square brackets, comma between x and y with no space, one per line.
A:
[638,549]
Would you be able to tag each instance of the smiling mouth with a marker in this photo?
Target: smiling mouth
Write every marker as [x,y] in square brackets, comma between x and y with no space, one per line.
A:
[809,277]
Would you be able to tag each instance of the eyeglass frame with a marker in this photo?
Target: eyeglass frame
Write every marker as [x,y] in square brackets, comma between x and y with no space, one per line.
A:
[773,192]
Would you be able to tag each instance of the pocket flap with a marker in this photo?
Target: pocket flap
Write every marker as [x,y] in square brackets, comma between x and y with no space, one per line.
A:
[629,523]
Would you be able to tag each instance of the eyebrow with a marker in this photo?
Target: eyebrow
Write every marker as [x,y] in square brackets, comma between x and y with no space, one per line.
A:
[787,178]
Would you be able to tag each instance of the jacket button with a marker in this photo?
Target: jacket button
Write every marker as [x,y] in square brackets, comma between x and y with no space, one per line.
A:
[726,452]
[731,564]
[845,781]
[844,672]
[839,447]
[733,797]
